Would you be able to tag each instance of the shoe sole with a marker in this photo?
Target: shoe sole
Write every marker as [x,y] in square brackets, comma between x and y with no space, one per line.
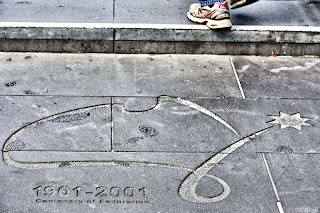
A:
[242,3]
[212,24]
[238,4]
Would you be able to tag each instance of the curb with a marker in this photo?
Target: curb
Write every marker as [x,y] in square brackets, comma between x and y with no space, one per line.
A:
[158,38]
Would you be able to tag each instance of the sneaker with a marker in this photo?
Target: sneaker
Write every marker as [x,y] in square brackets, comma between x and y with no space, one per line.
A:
[215,17]
[240,3]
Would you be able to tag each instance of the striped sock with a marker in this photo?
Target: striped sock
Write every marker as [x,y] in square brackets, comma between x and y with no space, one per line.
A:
[210,3]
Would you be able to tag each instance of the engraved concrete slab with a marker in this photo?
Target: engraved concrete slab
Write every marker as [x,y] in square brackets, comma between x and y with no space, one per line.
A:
[290,124]
[280,77]
[116,75]
[124,187]
[168,125]
[55,123]
[296,178]
[63,151]
[211,125]
[95,11]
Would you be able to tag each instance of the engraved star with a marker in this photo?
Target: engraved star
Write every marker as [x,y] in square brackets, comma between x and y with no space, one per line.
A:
[286,120]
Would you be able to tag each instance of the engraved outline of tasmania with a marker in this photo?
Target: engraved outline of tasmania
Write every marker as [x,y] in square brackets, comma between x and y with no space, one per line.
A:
[187,189]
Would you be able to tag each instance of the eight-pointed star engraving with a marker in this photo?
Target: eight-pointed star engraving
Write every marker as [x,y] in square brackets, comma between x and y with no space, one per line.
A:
[285,120]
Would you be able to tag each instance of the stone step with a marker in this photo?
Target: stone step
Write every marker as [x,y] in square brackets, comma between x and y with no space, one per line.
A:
[159,38]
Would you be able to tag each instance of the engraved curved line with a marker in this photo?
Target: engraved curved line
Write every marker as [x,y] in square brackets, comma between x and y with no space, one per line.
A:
[190,104]
[52,165]
[186,191]
[188,186]
[120,108]
[21,131]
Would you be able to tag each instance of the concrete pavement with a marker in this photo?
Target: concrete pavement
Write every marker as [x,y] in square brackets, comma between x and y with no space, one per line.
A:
[158,133]
[262,13]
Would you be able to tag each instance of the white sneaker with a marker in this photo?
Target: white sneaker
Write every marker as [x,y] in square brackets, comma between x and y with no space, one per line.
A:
[215,17]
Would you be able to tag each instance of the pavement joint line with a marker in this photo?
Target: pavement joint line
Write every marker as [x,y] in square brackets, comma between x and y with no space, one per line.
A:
[163,152]
[157,26]
[252,98]
[237,77]
[277,98]
[114,11]
[305,16]
[315,12]
[183,97]
[273,184]
[104,96]
[133,96]
[114,21]
[112,128]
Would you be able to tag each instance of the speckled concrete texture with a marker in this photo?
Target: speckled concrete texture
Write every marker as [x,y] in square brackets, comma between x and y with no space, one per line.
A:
[158,133]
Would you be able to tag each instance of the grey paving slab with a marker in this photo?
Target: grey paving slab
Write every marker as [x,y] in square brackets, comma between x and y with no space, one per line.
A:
[128,188]
[266,13]
[173,125]
[40,123]
[278,13]
[82,11]
[297,182]
[280,77]
[296,13]
[156,12]
[116,75]
[285,117]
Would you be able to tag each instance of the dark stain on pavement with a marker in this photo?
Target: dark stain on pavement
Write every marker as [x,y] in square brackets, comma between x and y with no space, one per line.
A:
[11,84]
[149,132]
[65,164]
[17,172]
[23,2]
[26,124]
[134,140]
[29,92]
[71,118]
[284,149]
[17,145]
[121,163]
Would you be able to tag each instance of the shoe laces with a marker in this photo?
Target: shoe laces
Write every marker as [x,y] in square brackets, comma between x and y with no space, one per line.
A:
[202,9]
